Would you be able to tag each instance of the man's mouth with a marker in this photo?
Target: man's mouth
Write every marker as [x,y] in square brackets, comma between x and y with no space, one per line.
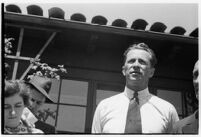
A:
[135,73]
[12,117]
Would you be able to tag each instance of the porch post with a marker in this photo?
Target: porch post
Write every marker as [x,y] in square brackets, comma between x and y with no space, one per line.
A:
[18,53]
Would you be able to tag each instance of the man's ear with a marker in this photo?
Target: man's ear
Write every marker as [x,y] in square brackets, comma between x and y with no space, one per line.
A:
[151,72]
[123,70]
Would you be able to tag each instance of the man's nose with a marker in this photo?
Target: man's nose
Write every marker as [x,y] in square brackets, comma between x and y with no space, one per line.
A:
[195,80]
[136,64]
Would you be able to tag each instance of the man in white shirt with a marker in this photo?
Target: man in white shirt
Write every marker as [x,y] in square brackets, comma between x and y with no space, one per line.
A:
[157,115]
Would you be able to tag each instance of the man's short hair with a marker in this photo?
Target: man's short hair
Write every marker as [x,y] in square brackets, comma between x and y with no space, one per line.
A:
[144,47]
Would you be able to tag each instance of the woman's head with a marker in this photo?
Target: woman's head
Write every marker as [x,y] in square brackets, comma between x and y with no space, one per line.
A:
[16,97]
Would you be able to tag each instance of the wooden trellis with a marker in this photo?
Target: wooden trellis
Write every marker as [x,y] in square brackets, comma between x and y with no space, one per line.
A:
[17,57]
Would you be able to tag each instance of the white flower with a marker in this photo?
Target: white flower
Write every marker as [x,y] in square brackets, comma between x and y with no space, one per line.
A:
[60,66]
[63,70]
[30,77]
[46,70]
[34,67]
[57,77]
[39,73]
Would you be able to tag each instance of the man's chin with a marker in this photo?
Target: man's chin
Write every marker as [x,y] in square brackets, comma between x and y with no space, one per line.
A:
[136,78]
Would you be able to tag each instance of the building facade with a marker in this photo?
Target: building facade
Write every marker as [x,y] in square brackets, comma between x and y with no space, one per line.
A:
[92,53]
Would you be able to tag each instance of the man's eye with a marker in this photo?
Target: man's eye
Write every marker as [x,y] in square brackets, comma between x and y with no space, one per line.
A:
[142,62]
[18,105]
[131,61]
[195,75]
[6,107]
[39,103]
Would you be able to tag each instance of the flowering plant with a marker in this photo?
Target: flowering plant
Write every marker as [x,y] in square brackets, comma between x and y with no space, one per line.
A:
[45,113]
[7,50]
[43,69]
[8,46]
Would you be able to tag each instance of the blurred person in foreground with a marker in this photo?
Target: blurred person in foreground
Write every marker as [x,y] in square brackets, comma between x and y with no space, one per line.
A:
[189,125]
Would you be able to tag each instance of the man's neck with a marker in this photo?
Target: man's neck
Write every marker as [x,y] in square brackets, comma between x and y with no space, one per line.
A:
[136,88]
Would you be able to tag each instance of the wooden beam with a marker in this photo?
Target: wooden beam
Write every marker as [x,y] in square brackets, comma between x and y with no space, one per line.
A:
[39,54]
[18,53]
[46,44]
[19,58]
[31,27]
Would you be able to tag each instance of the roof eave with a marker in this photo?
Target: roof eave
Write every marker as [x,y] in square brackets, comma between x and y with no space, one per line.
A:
[54,24]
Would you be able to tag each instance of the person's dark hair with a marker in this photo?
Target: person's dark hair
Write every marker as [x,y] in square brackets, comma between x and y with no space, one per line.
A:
[145,47]
[13,87]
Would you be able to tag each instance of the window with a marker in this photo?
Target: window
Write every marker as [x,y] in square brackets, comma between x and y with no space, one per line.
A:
[74,92]
[72,106]
[71,118]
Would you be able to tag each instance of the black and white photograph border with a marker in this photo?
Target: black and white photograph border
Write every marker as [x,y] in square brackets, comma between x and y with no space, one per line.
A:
[95,35]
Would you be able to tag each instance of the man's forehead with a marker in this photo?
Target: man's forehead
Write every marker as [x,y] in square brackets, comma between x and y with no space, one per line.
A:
[138,50]
[196,67]
[139,53]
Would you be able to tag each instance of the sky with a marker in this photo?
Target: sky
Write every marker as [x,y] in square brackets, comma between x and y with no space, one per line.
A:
[171,14]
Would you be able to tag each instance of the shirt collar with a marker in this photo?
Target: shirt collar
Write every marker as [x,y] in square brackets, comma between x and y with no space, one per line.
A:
[196,114]
[142,94]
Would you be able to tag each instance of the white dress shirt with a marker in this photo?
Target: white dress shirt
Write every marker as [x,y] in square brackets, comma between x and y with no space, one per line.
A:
[28,116]
[157,115]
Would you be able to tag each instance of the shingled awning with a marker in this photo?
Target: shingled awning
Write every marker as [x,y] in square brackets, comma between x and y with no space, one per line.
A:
[98,23]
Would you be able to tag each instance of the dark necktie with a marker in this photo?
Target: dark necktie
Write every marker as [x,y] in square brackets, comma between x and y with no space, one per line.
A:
[133,121]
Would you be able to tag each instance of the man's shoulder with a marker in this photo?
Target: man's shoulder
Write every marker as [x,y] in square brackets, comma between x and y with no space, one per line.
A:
[45,127]
[112,99]
[185,121]
[159,101]
[37,131]
[41,123]
[186,125]
[163,106]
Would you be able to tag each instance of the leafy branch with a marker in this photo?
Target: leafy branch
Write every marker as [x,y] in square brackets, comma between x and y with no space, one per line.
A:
[45,113]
